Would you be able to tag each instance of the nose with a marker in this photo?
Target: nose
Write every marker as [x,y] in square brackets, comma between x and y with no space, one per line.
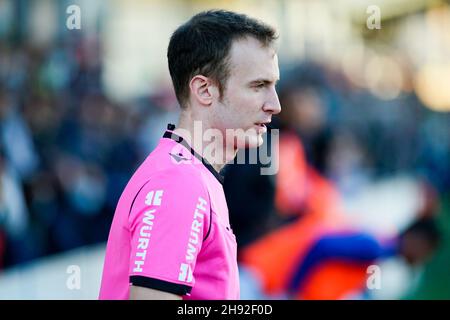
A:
[272,104]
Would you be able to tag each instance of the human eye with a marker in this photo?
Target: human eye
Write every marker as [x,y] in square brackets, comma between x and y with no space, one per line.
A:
[259,85]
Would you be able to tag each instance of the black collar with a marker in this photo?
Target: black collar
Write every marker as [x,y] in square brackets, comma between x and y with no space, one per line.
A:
[169,134]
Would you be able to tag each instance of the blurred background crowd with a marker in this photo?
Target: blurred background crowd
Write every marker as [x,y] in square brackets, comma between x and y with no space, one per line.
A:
[369,110]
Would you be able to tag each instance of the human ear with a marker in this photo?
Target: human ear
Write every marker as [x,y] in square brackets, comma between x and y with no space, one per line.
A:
[200,87]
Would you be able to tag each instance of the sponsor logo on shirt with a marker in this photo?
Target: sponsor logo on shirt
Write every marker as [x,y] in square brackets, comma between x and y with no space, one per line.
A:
[178,157]
[191,251]
[153,198]
[185,273]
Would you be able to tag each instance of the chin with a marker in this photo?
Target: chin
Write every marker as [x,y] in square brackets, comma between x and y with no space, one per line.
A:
[258,142]
[250,142]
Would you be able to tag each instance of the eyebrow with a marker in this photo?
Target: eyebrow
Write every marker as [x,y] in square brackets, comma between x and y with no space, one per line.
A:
[263,80]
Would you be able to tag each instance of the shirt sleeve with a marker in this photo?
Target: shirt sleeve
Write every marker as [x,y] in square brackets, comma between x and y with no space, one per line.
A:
[168,222]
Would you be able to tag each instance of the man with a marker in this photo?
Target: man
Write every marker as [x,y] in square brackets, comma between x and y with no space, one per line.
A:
[170,237]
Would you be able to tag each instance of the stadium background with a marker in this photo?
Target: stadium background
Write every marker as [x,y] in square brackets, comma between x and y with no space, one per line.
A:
[79,109]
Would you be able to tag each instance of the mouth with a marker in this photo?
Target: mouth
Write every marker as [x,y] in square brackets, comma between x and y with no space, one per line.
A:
[262,126]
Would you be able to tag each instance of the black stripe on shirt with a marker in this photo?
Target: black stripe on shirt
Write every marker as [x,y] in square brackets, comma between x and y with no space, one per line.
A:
[157,284]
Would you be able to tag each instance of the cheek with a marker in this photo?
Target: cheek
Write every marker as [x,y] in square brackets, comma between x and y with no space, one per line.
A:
[236,107]
[247,103]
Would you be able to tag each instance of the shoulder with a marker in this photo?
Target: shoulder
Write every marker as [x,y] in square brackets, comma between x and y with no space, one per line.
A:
[173,187]
[171,195]
[171,159]
[185,177]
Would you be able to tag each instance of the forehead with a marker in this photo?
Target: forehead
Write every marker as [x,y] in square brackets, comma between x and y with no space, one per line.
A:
[250,60]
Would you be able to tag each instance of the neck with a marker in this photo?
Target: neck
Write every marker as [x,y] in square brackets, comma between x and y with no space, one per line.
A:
[211,145]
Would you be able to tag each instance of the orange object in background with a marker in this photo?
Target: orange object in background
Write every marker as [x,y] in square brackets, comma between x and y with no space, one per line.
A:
[302,192]
[334,280]
[275,256]
[299,187]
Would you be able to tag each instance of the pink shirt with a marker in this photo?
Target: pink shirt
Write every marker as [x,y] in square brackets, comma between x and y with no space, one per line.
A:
[171,230]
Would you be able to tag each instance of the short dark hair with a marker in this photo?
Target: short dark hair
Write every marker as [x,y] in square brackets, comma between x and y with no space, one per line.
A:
[202,45]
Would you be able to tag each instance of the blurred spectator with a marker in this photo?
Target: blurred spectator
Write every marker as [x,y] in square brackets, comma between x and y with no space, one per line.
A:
[318,253]
[16,137]
[67,150]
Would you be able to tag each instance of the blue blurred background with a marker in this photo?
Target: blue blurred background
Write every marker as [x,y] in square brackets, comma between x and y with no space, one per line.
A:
[81,108]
